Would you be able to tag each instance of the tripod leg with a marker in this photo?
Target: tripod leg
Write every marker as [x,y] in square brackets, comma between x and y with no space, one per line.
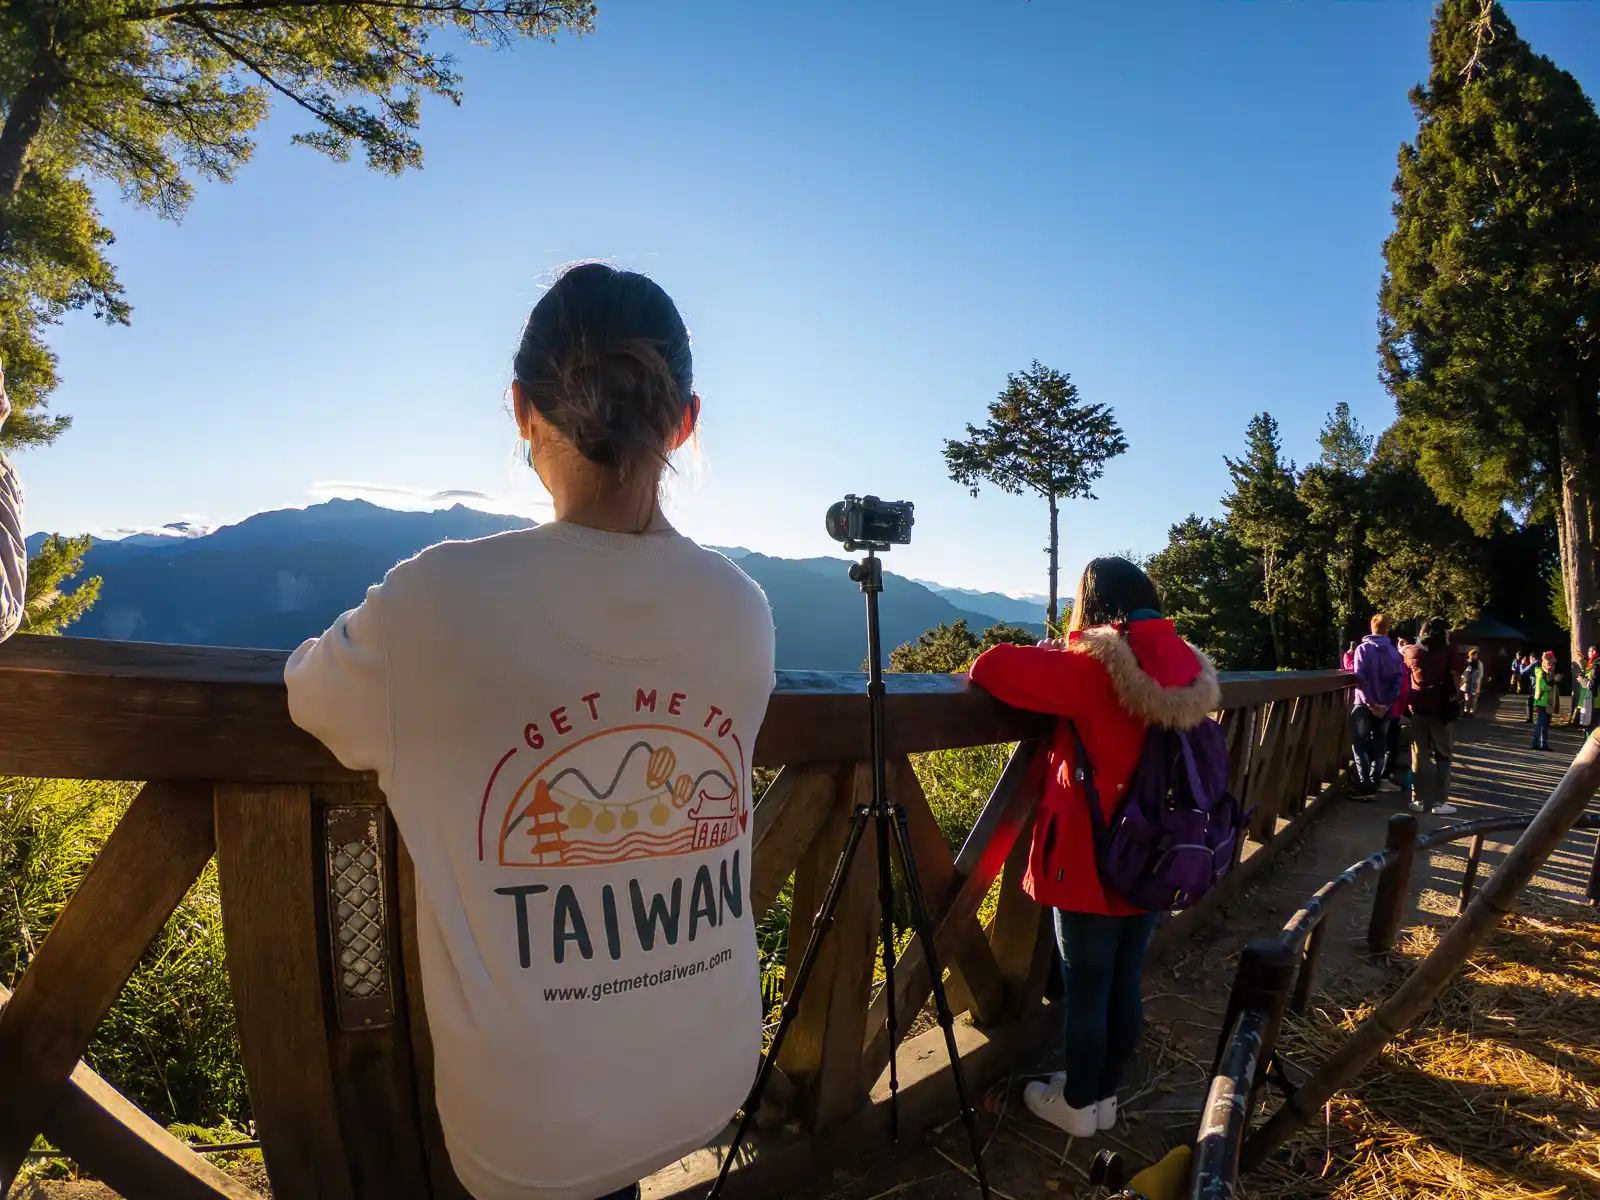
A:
[886,936]
[791,1005]
[924,933]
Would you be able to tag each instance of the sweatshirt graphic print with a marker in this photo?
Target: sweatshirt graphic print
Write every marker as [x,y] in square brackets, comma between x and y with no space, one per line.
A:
[561,720]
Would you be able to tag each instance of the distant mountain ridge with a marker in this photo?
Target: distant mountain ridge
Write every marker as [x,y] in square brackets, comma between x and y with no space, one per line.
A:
[277,578]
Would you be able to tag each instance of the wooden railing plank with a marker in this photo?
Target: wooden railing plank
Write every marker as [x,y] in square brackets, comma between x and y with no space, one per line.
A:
[822,1052]
[975,973]
[441,1172]
[373,1076]
[786,822]
[145,868]
[266,855]
[1008,811]
[83,708]
[1022,933]
[113,1139]
[1266,767]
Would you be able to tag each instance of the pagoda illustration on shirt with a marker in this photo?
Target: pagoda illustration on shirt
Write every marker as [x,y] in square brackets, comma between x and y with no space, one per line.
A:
[636,791]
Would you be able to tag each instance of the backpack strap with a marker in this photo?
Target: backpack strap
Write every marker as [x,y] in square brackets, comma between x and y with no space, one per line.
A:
[1083,772]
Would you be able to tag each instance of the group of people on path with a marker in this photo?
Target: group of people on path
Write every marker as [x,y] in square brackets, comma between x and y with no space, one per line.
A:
[1540,679]
[1416,684]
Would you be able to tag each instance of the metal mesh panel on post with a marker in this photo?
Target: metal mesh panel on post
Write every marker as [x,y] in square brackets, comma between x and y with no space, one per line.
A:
[358,916]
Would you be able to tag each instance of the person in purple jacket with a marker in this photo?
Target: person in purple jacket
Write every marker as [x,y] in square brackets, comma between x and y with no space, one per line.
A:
[1378,674]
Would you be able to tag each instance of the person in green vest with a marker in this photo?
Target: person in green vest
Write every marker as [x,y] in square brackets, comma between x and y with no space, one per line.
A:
[1545,699]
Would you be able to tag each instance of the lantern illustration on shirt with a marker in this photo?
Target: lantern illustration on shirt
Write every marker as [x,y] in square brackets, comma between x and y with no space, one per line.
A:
[635,791]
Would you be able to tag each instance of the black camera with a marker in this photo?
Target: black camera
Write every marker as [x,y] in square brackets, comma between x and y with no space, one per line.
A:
[867,523]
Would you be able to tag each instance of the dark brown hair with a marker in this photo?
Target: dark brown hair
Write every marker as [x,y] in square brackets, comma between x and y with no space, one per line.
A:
[605,359]
[1110,591]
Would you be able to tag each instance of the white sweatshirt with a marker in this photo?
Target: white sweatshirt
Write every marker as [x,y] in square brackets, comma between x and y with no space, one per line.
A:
[562,720]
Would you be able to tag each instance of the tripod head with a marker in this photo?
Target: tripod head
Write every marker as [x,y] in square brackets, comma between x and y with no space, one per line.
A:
[868,572]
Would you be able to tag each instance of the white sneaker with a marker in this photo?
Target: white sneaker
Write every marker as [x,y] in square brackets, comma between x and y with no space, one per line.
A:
[1045,1101]
[1105,1113]
[1416,806]
[1443,810]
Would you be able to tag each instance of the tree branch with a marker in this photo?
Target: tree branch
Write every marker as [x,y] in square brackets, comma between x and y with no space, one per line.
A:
[252,6]
[224,43]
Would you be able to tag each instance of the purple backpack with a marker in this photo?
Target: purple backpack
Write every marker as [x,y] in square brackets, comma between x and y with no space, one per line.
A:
[1176,831]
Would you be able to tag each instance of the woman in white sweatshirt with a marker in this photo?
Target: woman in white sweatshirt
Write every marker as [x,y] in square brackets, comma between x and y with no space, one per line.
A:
[562,720]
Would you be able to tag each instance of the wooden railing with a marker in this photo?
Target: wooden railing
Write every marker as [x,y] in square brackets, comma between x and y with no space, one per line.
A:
[1277,976]
[338,1058]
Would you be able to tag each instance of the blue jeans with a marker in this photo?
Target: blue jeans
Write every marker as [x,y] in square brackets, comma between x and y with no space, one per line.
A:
[1102,963]
[1369,738]
[1541,729]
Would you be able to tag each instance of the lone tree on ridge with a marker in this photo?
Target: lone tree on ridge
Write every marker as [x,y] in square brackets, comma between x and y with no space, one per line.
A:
[1039,438]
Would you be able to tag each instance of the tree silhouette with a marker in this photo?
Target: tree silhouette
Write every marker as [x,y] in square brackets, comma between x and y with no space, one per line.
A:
[1039,438]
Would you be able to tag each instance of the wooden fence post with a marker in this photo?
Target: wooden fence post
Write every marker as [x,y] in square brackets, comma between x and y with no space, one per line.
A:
[1394,885]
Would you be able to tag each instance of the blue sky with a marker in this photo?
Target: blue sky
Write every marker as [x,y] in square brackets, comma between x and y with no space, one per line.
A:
[869,214]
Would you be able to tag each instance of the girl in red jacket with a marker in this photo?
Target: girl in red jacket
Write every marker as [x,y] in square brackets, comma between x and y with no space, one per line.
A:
[1120,670]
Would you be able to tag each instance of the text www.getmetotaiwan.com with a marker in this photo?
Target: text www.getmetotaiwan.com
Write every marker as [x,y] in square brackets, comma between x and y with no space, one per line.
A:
[618,987]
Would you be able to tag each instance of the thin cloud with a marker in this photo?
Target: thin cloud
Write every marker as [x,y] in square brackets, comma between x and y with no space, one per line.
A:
[393,495]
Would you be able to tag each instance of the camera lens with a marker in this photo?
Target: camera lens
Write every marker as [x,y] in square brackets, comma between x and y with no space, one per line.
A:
[836,523]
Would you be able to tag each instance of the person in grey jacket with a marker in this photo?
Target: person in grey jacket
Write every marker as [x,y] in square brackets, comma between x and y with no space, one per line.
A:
[13,554]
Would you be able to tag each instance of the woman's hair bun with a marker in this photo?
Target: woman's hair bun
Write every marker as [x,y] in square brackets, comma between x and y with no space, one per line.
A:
[605,359]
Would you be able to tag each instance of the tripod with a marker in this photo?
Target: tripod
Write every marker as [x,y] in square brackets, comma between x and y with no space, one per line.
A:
[889,820]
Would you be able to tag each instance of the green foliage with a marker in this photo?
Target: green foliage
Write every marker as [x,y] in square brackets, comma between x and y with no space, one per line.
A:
[1426,560]
[1305,557]
[1490,300]
[1558,602]
[170,1042]
[48,606]
[1039,438]
[150,97]
[1209,584]
[951,647]
[1345,445]
[1267,516]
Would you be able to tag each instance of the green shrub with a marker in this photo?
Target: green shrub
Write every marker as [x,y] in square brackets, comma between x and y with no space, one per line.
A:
[170,1043]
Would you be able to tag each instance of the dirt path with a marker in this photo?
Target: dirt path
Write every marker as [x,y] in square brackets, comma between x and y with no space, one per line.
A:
[1186,992]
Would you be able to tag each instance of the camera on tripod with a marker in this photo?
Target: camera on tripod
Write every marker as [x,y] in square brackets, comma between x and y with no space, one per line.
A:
[867,523]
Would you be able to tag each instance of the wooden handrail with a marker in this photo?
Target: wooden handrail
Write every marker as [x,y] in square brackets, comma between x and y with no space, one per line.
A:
[340,1081]
[82,708]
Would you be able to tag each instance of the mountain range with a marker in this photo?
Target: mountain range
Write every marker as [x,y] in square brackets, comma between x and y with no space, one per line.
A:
[277,578]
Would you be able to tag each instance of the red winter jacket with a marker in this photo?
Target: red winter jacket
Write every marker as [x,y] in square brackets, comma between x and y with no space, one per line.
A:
[1113,688]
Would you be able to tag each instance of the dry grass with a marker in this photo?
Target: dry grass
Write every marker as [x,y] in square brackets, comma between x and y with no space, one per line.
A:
[1495,1095]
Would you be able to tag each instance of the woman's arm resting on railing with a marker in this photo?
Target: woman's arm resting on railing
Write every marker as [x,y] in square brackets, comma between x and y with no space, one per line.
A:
[1036,678]
[339,688]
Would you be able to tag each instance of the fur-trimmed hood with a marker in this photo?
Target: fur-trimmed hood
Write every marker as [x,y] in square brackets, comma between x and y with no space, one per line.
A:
[1163,689]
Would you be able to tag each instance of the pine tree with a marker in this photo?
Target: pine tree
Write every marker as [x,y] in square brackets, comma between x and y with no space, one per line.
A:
[1490,301]
[1041,439]
[49,607]
[1209,584]
[1335,493]
[1266,515]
